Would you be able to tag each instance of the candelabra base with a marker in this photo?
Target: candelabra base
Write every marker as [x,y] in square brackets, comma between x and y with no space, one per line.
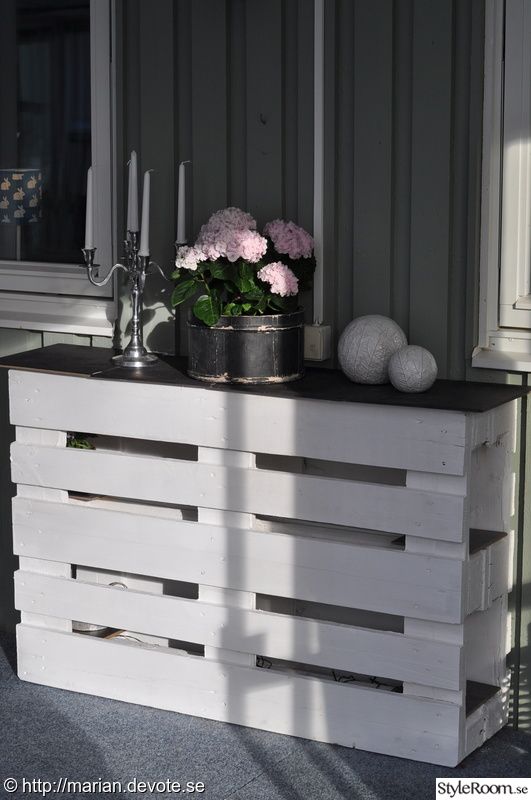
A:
[134,361]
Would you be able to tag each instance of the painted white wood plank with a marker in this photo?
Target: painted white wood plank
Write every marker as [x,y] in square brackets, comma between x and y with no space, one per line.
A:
[493,471]
[457,697]
[486,720]
[486,644]
[213,594]
[493,426]
[389,581]
[313,709]
[30,615]
[421,439]
[388,508]
[435,631]
[290,638]
[500,568]
[456,486]
[124,583]
[33,613]
[476,582]
[489,574]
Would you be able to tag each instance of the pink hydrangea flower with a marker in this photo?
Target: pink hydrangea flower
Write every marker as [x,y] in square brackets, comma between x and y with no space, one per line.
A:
[289,239]
[231,233]
[189,258]
[226,218]
[248,245]
[281,279]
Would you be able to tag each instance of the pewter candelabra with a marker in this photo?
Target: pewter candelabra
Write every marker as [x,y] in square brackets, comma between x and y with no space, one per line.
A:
[137,268]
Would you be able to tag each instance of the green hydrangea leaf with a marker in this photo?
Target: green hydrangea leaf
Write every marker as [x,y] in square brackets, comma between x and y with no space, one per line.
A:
[183,291]
[207,308]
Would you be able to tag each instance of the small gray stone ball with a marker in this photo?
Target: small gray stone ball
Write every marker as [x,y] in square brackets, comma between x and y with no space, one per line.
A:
[366,345]
[412,369]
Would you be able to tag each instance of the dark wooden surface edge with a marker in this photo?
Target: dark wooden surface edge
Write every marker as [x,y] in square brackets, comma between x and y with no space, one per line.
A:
[317,384]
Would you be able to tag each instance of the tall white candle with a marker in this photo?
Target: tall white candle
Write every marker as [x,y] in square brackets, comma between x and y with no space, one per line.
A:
[89,214]
[144,235]
[181,206]
[132,195]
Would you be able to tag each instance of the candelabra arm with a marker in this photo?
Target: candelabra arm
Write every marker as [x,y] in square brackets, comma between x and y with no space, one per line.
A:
[90,266]
[159,268]
[136,267]
[107,278]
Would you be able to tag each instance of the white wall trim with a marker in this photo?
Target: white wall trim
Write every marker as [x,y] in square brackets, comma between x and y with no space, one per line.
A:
[491,171]
[505,268]
[37,312]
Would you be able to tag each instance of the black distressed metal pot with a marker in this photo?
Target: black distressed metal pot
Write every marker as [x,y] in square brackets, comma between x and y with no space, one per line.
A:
[261,349]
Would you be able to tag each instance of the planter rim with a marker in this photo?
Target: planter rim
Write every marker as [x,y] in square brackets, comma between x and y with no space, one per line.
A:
[262,322]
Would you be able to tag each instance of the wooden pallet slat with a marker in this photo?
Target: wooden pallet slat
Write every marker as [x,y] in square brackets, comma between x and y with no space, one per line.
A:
[333,712]
[388,581]
[285,637]
[421,439]
[305,497]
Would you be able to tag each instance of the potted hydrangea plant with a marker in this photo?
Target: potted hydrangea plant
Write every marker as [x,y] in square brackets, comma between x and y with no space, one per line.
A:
[245,323]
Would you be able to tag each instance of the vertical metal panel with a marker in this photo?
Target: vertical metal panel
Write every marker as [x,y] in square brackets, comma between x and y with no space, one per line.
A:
[401,159]
[264,100]
[237,92]
[305,42]
[373,86]
[430,175]
[345,143]
[209,106]
[331,170]
[291,116]
[457,265]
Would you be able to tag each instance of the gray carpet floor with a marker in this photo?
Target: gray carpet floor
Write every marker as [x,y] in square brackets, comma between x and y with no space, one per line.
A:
[52,734]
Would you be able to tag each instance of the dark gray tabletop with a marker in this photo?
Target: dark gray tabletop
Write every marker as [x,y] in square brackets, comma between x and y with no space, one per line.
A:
[317,384]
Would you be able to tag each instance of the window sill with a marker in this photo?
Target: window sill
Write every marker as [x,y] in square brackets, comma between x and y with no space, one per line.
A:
[506,360]
[60,314]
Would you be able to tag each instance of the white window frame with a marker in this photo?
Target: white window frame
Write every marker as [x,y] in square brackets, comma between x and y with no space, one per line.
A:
[59,297]
[504,331]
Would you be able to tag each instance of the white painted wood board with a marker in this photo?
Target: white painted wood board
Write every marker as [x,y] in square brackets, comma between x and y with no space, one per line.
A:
[342,713]
[486,720]
[231,598]
[389,508]
[404,438]
[492,471]
[45,566]
[494,426]
[290,638]
[389,581]
[486,643]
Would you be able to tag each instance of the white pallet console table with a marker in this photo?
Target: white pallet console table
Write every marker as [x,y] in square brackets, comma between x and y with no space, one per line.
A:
[318,559]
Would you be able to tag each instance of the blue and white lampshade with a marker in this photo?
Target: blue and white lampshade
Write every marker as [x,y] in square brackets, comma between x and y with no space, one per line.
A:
[20,196]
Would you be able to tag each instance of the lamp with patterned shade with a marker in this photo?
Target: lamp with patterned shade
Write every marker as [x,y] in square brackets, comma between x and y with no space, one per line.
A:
[20,199]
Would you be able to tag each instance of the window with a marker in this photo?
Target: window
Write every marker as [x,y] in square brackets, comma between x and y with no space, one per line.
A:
[56,121]
[505,281]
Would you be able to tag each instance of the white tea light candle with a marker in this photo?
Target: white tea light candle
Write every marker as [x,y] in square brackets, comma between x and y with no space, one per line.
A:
[132,194]
[89,216]
[144,235]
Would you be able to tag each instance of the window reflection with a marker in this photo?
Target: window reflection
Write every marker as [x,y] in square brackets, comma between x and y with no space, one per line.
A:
[45,128]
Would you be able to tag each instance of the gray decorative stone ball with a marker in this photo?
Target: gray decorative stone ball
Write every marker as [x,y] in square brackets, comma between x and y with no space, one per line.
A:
[412,369]
[366,345]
